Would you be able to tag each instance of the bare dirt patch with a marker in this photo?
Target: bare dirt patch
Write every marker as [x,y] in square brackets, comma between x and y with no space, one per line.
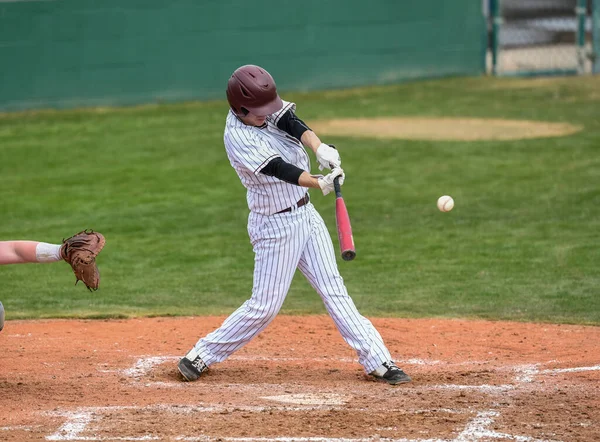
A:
[528,83]
[448,129]
[472,380]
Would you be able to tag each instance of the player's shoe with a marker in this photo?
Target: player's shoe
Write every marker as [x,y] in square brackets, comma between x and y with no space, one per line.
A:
[191,366]
[390,373]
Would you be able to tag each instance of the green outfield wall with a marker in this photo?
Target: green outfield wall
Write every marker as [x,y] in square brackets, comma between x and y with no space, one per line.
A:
[71,53]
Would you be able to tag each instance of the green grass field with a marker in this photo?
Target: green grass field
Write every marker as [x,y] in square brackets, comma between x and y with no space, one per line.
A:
[523,242]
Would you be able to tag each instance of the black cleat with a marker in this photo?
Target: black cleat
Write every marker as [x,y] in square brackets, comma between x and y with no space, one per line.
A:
[392,374]
[191,370]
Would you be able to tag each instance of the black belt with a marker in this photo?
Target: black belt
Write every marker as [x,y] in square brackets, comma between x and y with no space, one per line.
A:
[305,199]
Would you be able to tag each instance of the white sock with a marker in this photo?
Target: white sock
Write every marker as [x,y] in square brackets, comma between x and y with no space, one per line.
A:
[379,371]
[45,252]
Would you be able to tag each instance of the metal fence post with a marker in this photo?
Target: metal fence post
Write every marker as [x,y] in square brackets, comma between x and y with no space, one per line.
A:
[496,23]
[581,12]
[596,36]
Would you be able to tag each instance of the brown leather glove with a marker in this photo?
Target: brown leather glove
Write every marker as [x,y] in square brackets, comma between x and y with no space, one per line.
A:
[80,252]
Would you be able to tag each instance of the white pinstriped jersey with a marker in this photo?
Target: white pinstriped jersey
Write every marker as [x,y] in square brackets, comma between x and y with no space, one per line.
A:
[250,148]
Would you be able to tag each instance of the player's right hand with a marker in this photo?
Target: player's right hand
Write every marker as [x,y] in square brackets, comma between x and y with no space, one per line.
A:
[326,182]
[328,157]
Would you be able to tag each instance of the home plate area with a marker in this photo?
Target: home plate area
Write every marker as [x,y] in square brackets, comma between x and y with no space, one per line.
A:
[83,380]
[471,401]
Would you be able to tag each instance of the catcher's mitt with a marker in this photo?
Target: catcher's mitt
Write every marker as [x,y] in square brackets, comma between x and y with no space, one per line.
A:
[80,252]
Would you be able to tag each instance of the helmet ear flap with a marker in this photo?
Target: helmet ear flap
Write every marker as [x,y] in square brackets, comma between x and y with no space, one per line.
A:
[240,110]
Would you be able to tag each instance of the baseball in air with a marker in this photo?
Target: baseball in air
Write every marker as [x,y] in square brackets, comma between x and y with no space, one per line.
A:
[445,203]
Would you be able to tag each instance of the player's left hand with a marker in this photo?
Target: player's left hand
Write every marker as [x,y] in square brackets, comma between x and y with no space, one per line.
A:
[326,182]
[328,157]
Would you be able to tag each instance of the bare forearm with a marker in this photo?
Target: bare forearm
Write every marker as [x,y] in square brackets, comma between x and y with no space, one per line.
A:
[327,156]
[307,180]
[17,252]
[310,139]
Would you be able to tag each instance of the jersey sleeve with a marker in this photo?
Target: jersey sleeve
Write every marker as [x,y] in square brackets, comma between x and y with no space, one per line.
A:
[275,117]
[249,150]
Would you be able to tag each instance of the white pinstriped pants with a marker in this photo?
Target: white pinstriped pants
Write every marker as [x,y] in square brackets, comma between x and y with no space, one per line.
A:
[282,243]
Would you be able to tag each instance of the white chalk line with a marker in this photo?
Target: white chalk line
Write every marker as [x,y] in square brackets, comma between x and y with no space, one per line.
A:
[524,373]
[78,421]
[145,364]
[475,430]
[75,424]
[570,370]
[20,428]
[527,373]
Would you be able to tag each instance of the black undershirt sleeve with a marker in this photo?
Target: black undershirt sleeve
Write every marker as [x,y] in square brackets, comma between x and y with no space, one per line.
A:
[284,171]
[292,125]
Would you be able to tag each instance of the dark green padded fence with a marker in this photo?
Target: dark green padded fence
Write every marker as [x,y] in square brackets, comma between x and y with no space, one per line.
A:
[68,53]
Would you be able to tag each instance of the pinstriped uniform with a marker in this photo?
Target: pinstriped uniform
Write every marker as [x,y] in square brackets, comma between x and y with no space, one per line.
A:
[249,149]
[282,243]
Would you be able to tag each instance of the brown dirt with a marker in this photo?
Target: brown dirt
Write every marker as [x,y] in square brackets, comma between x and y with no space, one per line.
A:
[507,83]
[449,129]
[472,381]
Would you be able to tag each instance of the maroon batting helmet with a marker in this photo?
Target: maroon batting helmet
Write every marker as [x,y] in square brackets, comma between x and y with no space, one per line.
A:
[252,89]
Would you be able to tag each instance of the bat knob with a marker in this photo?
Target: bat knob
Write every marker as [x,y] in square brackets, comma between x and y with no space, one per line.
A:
[348,255]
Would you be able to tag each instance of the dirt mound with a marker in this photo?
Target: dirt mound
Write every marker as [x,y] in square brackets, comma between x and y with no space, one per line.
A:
[449,129]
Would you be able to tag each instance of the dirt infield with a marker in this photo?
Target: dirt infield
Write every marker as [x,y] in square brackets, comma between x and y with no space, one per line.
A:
[448,129]
[298,381]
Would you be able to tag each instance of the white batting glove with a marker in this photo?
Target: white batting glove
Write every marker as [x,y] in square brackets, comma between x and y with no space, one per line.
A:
[326,182]
[328,157]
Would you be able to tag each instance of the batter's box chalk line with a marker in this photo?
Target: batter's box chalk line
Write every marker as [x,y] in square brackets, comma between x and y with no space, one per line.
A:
[477,429]
[527,373]
[146,364]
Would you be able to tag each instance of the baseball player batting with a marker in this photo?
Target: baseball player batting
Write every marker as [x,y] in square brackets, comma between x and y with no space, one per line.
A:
[264,141]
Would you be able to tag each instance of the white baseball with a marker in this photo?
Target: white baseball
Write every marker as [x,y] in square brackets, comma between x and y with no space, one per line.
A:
[445,203]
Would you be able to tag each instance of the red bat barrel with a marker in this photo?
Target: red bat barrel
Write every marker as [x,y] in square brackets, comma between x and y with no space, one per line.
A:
[343,225]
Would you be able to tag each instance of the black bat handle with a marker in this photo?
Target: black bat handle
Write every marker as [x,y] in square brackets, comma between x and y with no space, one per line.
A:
[337,187]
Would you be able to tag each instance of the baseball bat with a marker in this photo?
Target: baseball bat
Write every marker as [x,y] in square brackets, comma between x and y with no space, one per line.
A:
[342,220]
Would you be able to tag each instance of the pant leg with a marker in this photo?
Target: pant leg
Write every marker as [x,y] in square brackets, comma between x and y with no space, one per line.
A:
[319,266]
[278,241]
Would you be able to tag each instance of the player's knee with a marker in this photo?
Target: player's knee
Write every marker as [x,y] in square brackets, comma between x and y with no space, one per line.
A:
[1,316]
